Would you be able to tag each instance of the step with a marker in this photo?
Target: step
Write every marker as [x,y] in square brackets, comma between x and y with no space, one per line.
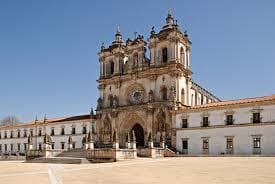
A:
[59,160]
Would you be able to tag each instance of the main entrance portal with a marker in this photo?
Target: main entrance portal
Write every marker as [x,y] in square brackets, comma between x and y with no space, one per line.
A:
[137,128]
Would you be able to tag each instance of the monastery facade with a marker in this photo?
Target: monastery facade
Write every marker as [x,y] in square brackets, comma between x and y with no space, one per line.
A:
[156,97]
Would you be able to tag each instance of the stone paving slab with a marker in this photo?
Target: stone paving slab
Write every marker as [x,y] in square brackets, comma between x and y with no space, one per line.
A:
[193,170]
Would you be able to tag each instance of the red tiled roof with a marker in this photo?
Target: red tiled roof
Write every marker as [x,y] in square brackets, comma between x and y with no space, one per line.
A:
[234,102]
[53,120]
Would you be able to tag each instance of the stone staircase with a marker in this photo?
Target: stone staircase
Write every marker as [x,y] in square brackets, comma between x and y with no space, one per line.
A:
[74,153]
[74,156]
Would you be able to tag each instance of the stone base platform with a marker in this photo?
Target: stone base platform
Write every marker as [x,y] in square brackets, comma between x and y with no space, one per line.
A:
[59,160]
[110,154]
[150,152]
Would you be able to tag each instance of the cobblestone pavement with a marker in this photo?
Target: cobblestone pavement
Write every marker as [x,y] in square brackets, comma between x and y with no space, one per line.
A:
[193,170]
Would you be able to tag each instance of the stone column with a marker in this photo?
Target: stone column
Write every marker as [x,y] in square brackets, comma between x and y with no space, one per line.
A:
[90,141]
[134,144]
[115,141]
[162,141]
[150,141]
[128,144]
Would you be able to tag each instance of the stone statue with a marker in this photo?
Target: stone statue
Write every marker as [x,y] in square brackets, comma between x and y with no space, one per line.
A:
[161,118]
[151,96]
[115,102]
[173,93]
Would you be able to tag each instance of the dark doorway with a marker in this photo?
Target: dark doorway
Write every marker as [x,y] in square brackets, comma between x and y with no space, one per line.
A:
[139,134]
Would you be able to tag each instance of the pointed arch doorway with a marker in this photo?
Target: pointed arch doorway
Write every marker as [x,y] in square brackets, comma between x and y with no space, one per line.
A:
[137,128]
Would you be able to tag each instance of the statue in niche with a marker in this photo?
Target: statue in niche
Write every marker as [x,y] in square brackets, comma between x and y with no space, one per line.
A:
[106,130]
[161,118]
[151,96]
[115,102]
[99,103]
[173,93]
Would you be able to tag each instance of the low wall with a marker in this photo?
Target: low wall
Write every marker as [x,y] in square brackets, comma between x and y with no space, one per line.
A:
[12,157]
[151,152]
[111,154]
[30,154]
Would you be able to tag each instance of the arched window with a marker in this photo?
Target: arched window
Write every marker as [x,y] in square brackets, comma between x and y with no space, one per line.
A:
[163,93]
[112,68]
[182,56]
[164,55]
[182,95]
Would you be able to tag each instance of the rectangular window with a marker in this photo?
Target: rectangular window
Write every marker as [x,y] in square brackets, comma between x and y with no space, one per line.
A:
[73,145]
[18,133]
[229,119]
[62,131]
[62,145]
[6,147]
[205,144]
[25,146]
[40,146]
[205,122]
[18,147]
[0,147]
[184,144]
[257,142]
[52,132]
[11,147]
[0,135]
[25,133]
[73,130]
[184,123]
[5,135]
[11,136]
[256,117]
[31,132]
[39,132]
[84,130]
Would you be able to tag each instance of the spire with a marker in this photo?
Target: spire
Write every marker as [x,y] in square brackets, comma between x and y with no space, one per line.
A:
[169,18]
[35,121]
[92,111]
[170,22]
[118,37]
[45,118]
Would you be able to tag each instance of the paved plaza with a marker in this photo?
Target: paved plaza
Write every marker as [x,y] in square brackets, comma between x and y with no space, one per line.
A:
[168,170]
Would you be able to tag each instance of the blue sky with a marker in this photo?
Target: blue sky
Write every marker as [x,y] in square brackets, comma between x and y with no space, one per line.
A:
[48,49]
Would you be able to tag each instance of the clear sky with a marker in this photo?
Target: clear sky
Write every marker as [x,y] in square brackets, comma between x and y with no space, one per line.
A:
[48,49]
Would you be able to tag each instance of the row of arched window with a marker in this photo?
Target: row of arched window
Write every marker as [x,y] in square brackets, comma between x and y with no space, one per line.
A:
[164,58]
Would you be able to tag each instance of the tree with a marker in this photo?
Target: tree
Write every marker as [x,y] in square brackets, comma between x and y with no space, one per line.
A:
[9,120]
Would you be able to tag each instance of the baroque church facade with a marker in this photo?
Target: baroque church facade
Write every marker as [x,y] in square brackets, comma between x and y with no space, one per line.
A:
[140,94]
